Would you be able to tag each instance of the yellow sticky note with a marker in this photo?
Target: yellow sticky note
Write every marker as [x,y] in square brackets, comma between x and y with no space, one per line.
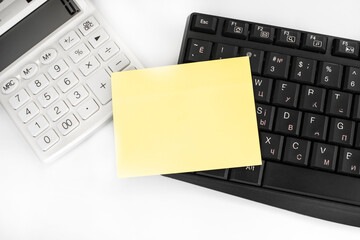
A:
[185,118]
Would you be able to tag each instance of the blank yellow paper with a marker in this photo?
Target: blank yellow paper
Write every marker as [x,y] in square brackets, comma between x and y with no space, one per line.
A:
[184,118]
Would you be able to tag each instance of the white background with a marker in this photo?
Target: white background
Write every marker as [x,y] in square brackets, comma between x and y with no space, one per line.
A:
[79,196]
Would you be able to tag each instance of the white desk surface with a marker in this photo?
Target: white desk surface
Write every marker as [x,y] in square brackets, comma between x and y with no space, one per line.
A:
[79,196]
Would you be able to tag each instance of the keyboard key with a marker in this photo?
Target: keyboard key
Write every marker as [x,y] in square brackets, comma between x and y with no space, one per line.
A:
[356,108]
[349,161]
[198,50]
[19,99]
[330,75]
[88,26]
[77,95]
[57,111]
[339,103]
[262,88]
[48,56]
[67,82]
[236,29]
[256,59]
[221,173]
[68,124]
[310,182]
[261,33]
[48,97]
[204,23]
[38,126]
[49,139]
[342,131]
[69,40]
[277,65]
[29,71]
[297,151]
[222,51]
[250,175]
[303,70]
[38,84]
[89,66]
[87,109]
[346,48]
[315,43]
[58,69]
[100,85]
[357,142]
[312,99]
[315,126]
[324,156]
[286,94]
[119,63]
[288,38]
[265,116]
[271,146]
[288,121]
[28,112]
[352,79]
[79,53]
[98,38]
[108,50]
[10,85]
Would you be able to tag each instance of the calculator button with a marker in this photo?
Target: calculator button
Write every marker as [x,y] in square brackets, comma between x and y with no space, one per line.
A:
[38,84]
[28,112]
[108,50]
[19,99]
[48,56]
[100,85]
[315,43]
[29,71]
[77,95]
[69,40]
[130,68]
[89,65]
[39,125]
[49,139]
[118,63]
[98,38]
[87,109]
[67,82]
[58,69]
[48,97]
[88,26]
[68,124]
[79,53]
[9,85]
[57,111]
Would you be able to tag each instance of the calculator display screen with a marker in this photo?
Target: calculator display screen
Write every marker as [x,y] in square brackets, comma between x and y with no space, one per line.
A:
[34,28]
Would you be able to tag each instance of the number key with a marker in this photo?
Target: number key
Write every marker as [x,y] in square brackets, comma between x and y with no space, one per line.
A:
[28,112]
[19,99]
[38,126]
[58,110]
[68,124]
[48,97]
[303,70]
[352,79]
[67,82]
[77,95]
[49,139]
[58,69]
[38,84]
[330,75]
[277,65]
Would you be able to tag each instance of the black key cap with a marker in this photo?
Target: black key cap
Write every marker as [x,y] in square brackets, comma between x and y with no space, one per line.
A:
[356,108]
[315,43]
[352,79]
[277,65]
[315,126]
[357,142]
[286,93]
[262,88]
[346,48]
[261,33]
[204,23]
[339,103]
[236,29]
[265,116]
[297,151]
[341,131]
[349,161]
[312,182]
[324,156]
[288,38]
[220,173]
[312,99]
[198,51]
[303,70]
[249,175]
[225,51]
[271,146]
[330,75]
[256,59]
[288,121]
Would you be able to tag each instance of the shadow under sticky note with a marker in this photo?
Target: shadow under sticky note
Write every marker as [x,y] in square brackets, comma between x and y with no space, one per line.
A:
[185,118]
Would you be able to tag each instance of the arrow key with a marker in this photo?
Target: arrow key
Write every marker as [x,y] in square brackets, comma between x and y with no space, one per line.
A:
[98,38]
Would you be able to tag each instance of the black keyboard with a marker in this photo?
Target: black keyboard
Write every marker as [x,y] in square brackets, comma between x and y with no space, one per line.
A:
[307,94]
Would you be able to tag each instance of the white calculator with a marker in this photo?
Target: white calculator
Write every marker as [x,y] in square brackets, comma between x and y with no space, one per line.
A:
[56,57]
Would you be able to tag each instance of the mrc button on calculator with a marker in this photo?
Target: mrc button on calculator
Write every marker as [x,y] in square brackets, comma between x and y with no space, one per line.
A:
[55,66]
